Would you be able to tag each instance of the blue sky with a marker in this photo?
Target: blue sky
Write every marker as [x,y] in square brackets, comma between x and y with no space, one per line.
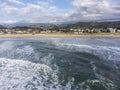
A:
[55,11]
[64,4]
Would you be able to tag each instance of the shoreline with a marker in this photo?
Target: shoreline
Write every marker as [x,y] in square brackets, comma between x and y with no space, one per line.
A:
[62,35]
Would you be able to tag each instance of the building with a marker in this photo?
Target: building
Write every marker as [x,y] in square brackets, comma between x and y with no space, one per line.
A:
[118,30]
[112,30]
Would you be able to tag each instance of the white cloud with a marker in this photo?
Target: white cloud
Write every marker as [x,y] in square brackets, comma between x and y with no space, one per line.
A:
[95,10]
[15,2]
[8,21]
[45,11]
[29,12]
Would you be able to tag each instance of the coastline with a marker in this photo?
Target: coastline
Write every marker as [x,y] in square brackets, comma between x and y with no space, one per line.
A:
[62,35]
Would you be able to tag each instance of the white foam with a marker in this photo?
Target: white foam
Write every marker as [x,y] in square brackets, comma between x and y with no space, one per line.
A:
[47,60]
[11,49]
[6,45]
[105,52]
[24,75]
[86,85]
[94,68]
[26,49]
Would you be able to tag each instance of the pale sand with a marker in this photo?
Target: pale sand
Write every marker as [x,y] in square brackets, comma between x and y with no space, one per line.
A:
[56,35]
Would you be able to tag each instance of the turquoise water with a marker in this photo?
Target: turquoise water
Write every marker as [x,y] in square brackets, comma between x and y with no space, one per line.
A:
[60,64]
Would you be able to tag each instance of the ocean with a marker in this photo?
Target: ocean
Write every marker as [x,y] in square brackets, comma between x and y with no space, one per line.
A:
[60,64]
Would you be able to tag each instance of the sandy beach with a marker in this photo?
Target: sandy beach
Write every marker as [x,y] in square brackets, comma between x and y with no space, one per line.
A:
[63,35]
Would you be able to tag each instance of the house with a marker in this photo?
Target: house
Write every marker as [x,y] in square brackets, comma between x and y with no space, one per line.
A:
[19,32]
[43,32]
[112,30]
[29,30]
[80,30]
[118,29]
[77,30]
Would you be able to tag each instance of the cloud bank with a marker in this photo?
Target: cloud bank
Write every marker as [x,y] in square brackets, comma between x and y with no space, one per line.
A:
[46,11]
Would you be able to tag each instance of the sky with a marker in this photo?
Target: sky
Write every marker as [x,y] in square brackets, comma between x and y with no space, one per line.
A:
[57,11]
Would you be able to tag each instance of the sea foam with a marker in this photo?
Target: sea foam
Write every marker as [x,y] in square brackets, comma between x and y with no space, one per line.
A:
[104,52]
[25,75]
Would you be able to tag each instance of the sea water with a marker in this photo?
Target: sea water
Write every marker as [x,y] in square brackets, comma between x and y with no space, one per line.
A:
[60,64]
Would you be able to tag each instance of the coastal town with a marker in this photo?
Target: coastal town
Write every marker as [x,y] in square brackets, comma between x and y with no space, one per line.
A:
[54,29]
[76,28]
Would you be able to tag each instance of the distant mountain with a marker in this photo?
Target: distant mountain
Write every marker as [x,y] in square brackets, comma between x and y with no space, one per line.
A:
[115,24]
[62,24]
[1,27]
[27,24]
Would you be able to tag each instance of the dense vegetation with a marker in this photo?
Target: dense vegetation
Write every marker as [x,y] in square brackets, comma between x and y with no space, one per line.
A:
[94,25]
